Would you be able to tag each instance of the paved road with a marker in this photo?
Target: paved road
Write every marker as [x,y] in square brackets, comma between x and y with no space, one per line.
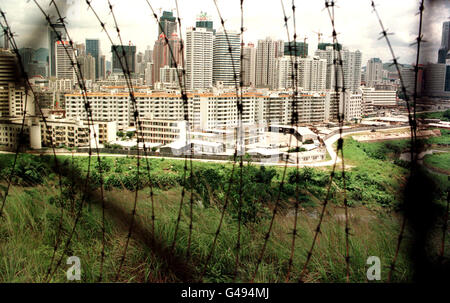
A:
[328,144]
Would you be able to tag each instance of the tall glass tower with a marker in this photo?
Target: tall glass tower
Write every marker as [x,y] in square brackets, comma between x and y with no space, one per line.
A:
[93,49]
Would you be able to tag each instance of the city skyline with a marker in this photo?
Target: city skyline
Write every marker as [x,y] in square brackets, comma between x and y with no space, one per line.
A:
[310,18]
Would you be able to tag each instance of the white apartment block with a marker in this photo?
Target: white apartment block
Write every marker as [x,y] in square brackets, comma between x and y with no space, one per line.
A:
[351,68]
[162,131]
[352,106]
[64,68]
[227,65]
[311,73]
[169,77]
[8,72]
[199,58]
[207,110]
[379,97]
[249,65]
[266,62]
[59,131]
[10,133]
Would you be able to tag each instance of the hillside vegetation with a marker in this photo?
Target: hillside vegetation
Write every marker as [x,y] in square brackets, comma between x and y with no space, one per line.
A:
[29,228]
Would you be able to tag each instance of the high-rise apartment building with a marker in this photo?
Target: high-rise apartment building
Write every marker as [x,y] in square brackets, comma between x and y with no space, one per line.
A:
[349,76]
[199,58]
[64,60]
[87,64]
[102,72]
[374,72]
[311,73]
[52,38]
[445,42]
[267,53]
[93,49]
[249,65]
[226,65]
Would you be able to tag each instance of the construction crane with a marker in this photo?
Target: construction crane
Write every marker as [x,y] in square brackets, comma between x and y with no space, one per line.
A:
[319,35]
[304,47]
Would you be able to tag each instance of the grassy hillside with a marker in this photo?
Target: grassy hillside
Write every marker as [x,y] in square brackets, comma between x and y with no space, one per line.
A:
[29,228]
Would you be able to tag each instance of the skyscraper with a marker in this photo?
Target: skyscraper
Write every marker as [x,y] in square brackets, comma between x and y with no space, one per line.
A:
[266,62]
[351,68]
[374,72]
[226,65]
[130,56]
[168,23]
[102,72]
[249,65]
[87,63]
[445,42]
[199,58]
[93,49]
[52,38]
[163,56]
[63,63]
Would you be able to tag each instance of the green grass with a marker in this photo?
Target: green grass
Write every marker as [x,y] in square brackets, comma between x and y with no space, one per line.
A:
[444,116]
[444,139]
[28,229]
[439,160]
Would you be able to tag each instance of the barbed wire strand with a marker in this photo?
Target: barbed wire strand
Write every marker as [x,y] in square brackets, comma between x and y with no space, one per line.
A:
[186,112]
[137,122]
[339,91]
[11,39]
[239,129]
[294,121]
[411,116]
[341,141]
[294,118]
[181,81]
[82,85]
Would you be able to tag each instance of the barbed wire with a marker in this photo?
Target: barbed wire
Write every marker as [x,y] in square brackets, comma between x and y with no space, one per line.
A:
[238,135]
[411,116]
[339,91]
[182,82]
[11,39]
[82,85]
[294,121]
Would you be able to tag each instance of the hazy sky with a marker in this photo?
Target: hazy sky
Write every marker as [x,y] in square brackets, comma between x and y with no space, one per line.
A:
[357,26]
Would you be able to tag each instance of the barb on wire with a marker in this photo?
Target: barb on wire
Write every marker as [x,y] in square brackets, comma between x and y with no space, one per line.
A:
[239,97]
[11,39]
[339,91]
[294,120]
[186,112]
[181,81]
[82,85]
[411,111]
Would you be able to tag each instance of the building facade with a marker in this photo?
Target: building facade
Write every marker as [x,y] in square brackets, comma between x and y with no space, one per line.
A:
[199,58]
